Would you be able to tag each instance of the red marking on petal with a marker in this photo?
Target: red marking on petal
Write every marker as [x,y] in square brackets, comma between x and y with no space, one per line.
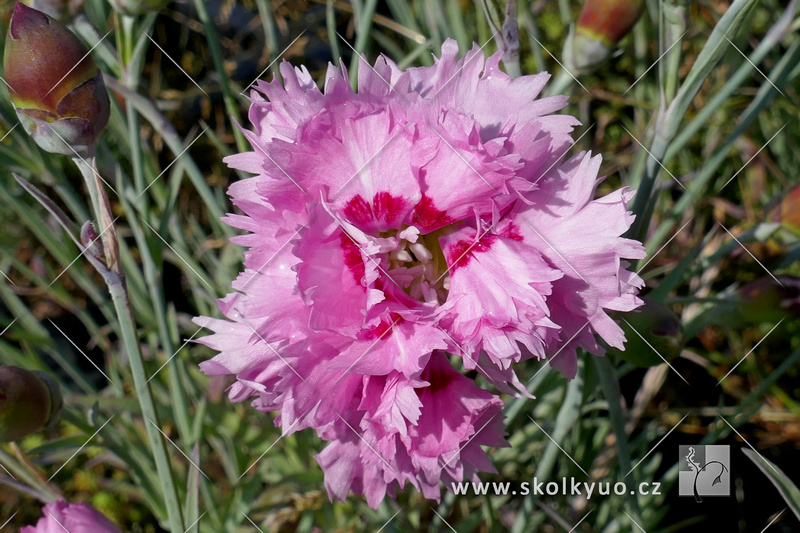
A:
[512,232]
[384,329]
[461,252]
[353,259]
[427,218]
[385,208]
[358,211]
[438,375]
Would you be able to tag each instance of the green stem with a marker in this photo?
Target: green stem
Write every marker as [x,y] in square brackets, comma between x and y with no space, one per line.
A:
[131,69]
[675,22]
[510,39]
[152,275]
[561,84]
[119,296]
[363,25]
[330,24]
[610,385]
[646,182]
[115,280]
[271,38]
[155,284]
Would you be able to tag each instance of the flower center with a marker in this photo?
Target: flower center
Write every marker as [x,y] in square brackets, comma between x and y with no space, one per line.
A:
[417,264]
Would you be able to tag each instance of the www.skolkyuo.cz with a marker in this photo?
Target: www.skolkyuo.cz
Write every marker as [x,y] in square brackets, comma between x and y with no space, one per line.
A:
[567,487]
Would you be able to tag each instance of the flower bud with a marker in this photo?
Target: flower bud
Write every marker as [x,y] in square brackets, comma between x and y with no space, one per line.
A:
[654,334]
[29,401]
[138,7]
[787,212]
[61,10]
[57,90]
[601,25]
[72,517]
[768,300]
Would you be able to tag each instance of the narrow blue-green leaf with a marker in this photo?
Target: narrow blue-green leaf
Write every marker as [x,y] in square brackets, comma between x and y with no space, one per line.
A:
[564,421]
[788,490]
[728,27]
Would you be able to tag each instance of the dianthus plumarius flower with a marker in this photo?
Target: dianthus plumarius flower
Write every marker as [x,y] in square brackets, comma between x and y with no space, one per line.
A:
[424,218]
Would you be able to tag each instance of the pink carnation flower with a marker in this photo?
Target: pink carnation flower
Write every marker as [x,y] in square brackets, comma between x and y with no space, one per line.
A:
[428,213]
[61,516]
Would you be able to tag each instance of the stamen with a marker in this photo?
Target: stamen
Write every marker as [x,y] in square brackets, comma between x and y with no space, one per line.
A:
[422,253]
[401,255]
[414,266]
[428,272]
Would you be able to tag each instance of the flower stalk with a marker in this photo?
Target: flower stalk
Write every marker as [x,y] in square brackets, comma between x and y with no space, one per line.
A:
[109,267]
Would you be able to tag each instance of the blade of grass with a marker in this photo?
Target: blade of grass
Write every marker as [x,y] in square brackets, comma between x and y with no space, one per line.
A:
[565,419]
[609,383]
[333,37]
[175,143]
[271,35]
[669,119]
[192,503]
[363,13]
[778,77]
[231,105]
[788,490]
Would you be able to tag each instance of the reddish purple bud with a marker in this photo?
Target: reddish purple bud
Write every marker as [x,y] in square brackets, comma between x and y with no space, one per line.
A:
[769,299]
[54,84]
[787,212]
[91,240]
[601,25]
[29,401]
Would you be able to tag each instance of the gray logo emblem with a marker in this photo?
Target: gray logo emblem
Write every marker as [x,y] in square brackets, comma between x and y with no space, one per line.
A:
[704,471]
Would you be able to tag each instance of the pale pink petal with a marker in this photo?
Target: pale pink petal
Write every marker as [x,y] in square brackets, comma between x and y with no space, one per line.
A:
[498,295]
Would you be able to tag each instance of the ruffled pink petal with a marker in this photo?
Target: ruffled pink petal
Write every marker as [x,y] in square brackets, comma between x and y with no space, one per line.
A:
[456,416]
[498,295]
[464,174]
[344,472]
[582,238]
[331,276]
